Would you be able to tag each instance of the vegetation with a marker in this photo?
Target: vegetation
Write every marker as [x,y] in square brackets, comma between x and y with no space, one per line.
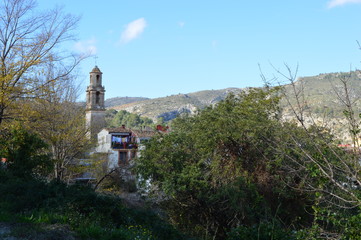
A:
[252,164]
[36,82]
[25,154]
[318,90]
[130,120]
[89,215]
[237,170]
[60,122]
[26,197]
[172,106]
[28,43]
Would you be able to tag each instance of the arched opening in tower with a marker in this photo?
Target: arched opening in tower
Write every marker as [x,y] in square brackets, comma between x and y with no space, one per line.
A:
[98,79]
[97,98]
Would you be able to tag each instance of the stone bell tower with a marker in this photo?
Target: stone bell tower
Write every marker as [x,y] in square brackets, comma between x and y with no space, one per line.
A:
[95,109]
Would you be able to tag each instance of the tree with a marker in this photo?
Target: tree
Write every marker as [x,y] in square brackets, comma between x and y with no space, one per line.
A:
[339,170]
[219,171]
[29,41]
[321,167]
[25,153]
[130,120]
[59,121]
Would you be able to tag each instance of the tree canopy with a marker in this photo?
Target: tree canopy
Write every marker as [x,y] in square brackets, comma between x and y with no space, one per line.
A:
[236,167]
[131,120]
[29,42]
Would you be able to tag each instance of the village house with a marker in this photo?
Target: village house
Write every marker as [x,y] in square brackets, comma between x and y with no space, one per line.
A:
[122,144]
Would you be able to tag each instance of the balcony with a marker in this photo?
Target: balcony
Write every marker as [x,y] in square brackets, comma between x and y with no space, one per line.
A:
[124,145]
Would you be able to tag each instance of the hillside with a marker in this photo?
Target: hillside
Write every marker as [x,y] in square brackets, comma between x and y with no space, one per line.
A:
[169,107]
[117,101]
[320,95]
[324,97]
[321,92]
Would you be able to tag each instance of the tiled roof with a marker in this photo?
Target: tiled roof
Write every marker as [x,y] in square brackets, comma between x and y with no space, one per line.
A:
[144,133]
[119,130]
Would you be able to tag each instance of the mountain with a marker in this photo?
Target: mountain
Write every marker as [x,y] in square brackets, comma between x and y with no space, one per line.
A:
[322,96]
[169,107]
[325,93]
[117,101]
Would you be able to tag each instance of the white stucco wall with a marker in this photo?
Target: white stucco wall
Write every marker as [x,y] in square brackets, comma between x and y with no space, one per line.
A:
[104,146]
[104,142]
[113,159]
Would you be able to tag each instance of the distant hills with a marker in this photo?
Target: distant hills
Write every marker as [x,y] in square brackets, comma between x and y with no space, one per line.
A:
[169,107]
[117,101]
[323,92]
[320,94]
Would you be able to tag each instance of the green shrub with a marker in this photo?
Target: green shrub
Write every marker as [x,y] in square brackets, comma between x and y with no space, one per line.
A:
[262,231]
[25,154]
[92,215]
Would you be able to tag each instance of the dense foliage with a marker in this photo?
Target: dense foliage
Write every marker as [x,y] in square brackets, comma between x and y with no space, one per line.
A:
[130,120]
[226,172]
[26,197]
[90,215]
[25,153]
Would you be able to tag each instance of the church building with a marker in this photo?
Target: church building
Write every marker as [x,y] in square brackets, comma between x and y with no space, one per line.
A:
[95,109]
[120,144]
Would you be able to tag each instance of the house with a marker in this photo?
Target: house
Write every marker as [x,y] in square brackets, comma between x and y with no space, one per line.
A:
[122,144]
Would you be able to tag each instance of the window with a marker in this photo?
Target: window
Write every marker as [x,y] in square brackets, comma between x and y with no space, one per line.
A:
[98,78]
[122,158]
[97,98]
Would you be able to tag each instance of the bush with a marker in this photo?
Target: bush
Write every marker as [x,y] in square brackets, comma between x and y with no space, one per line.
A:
[92,215]
[262,231]
[25,154]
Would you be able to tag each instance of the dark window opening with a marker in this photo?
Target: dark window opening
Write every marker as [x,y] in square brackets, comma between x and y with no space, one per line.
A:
[97,99]
[98,77]
[122,158]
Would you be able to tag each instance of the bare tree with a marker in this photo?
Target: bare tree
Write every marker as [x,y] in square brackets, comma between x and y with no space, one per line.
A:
[348,98]
[29,41]
[312,156]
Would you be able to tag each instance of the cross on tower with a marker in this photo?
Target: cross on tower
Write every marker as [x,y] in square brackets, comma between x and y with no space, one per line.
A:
[95,59]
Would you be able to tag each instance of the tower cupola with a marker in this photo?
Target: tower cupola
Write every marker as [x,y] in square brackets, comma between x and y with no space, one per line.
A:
[95,91]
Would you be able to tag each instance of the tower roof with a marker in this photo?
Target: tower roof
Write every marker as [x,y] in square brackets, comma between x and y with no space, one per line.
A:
[96,69]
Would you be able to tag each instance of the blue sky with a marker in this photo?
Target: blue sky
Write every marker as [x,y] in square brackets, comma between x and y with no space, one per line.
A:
[161,47]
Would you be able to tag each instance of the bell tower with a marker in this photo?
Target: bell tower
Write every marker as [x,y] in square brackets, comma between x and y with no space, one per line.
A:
[95,109]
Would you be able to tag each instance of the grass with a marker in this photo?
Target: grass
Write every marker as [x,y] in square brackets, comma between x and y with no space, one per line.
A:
[37,205]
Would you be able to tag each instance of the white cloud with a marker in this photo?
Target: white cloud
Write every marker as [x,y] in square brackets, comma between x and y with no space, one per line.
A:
[86,46]
[335,3]
[133,30]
